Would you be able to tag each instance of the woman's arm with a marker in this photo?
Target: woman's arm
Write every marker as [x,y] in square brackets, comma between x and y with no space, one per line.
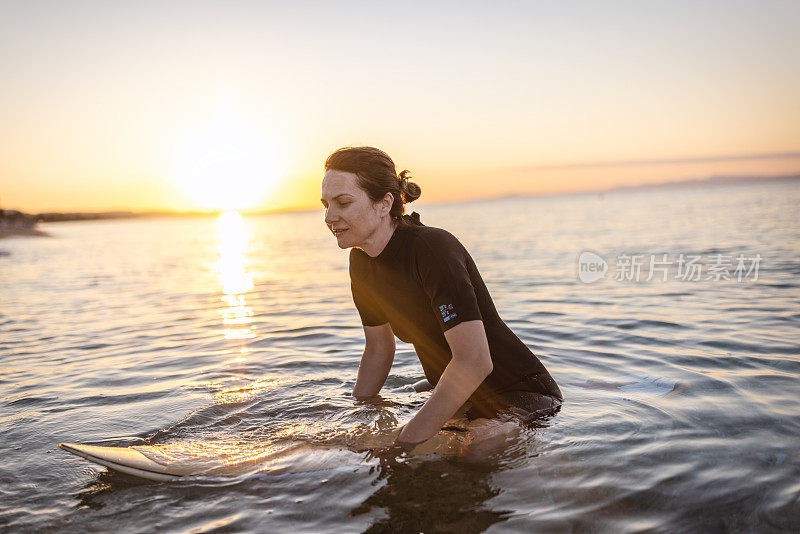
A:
[376,361]
[470,365]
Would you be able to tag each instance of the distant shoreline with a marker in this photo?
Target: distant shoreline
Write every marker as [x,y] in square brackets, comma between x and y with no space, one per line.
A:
[17,223]
[25,232]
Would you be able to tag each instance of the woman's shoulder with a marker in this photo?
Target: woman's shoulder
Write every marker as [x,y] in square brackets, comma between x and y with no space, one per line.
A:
[433,239]
[357,260]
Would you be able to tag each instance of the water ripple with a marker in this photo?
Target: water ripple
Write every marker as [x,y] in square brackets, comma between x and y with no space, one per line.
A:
[137,343]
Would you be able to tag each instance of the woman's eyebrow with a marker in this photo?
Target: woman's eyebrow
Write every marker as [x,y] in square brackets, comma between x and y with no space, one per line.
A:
[337,196]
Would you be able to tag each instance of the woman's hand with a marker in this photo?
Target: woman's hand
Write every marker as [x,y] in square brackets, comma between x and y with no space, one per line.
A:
[388,454]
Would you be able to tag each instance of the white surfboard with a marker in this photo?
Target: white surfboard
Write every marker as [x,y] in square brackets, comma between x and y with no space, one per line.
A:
[122,459]
[170,461]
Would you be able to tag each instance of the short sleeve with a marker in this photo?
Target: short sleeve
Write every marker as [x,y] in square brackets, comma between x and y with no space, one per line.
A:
[444,275]
[368,309]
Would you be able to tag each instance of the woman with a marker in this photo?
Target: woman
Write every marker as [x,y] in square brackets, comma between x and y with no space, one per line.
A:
[420,284]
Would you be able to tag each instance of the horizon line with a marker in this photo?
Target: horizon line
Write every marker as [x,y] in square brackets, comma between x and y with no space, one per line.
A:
[663,161]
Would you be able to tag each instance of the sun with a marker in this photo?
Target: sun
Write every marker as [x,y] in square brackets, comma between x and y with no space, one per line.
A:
[226,163]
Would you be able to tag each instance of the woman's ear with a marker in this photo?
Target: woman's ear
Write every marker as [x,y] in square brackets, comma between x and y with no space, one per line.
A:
[386,203]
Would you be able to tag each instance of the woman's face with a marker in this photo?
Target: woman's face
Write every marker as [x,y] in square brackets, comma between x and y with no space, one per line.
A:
[349,213]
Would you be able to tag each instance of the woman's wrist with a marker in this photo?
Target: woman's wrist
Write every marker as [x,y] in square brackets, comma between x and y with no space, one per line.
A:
[405,446]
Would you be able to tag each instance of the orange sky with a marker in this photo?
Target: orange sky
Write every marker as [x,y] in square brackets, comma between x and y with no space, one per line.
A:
[217,104]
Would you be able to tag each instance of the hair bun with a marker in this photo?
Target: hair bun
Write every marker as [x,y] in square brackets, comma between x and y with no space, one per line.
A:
[408,190]
[413,219]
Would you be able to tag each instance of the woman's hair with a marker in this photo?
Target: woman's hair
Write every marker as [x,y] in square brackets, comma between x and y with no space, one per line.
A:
[377,176]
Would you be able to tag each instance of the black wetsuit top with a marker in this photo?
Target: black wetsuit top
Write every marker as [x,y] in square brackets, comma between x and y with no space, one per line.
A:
[423,283]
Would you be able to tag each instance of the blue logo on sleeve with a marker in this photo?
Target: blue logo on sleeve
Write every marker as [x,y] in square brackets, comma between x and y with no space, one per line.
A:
[447,312]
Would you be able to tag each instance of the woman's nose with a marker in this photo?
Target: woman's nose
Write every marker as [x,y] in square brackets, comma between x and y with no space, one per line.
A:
[330,216]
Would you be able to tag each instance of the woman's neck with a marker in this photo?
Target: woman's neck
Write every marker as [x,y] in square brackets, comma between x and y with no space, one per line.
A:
[379,239]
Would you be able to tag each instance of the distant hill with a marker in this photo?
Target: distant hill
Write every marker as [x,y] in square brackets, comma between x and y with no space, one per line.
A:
[82,216]
[694,182]
[711,180]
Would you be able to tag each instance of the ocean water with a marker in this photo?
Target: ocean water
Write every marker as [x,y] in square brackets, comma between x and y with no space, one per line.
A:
[235,338]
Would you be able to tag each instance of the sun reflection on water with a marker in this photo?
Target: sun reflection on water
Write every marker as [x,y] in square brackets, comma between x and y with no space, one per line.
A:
[222,393]
[234,241]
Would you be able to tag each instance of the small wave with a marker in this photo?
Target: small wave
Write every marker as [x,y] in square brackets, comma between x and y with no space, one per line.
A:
[645,323]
